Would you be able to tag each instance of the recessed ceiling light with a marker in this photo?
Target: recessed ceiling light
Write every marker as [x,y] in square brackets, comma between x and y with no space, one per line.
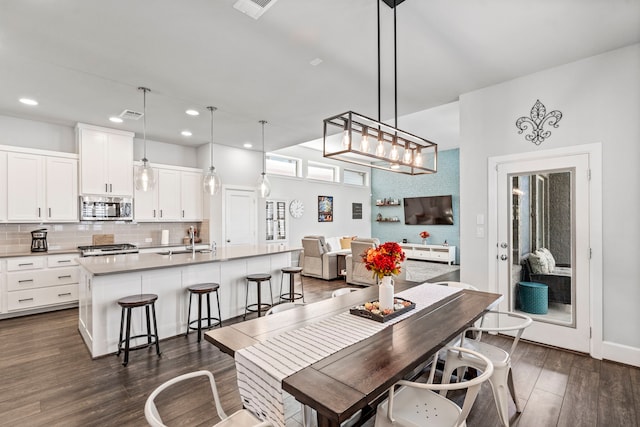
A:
[192,112]
[247,145]
[316,62]
[186,133]
[115,119]
[28,101]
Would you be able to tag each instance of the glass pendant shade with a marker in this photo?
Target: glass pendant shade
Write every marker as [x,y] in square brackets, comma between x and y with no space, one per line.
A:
[145,178]
[211,182]
[264,186]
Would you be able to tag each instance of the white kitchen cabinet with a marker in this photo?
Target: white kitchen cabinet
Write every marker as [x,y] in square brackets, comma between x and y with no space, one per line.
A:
[169,191]
[41,282]
[41,188]
[177,196]
[191,196]
[106,161]
[61,185]
[3,186]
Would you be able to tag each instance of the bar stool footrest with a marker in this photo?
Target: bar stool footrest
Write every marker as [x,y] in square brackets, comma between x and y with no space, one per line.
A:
[204,326]
[263,307]
[154,340]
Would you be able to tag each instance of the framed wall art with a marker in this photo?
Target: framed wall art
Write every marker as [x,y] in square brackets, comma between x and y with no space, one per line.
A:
[325,208]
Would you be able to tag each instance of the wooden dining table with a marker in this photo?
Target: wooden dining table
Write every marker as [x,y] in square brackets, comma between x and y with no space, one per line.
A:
[355,377]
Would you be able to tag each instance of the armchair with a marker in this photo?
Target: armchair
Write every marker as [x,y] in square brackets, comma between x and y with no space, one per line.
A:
[357,273]
[319,260]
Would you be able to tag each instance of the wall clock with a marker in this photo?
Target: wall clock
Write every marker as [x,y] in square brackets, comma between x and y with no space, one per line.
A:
[296,208]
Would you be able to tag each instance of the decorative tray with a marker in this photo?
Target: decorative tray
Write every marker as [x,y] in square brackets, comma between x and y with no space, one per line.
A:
[369,310]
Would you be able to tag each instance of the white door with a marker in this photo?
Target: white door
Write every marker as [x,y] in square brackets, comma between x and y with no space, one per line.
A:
[544,203]
[240,217]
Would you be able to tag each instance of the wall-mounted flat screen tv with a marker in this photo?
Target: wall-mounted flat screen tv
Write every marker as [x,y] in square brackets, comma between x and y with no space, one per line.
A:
[431,210]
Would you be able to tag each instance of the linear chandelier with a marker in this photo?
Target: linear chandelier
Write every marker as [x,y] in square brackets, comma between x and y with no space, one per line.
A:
[355,138]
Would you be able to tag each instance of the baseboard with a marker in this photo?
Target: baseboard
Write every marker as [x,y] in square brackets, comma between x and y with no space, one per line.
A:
[621,353]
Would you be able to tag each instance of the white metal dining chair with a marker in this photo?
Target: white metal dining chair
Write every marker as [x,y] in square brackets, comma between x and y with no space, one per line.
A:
[241,418]
[343,291]
[418,404]
[502,377]
[283,307]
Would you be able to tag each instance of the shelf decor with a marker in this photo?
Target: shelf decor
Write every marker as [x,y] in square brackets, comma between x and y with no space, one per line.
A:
[424,234]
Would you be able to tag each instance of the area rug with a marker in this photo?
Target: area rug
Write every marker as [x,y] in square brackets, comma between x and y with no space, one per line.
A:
[420,271]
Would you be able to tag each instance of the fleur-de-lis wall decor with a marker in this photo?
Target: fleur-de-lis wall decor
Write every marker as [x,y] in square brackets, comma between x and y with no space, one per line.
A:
[539,117]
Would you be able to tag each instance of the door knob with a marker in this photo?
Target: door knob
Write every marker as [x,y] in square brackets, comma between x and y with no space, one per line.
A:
[228,241]
[503,245]
[503,257]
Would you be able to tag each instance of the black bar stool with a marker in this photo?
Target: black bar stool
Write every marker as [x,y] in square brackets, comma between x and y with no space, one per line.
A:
[291,296]
[133,301]
[257,278]
[200,290]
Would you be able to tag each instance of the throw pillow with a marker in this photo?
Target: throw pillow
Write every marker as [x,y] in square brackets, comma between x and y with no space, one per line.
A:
[550,259]
[538,263]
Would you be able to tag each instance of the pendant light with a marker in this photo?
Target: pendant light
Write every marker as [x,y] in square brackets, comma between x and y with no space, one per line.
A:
[264,187]
[145,178]
[395,150]
[211,182]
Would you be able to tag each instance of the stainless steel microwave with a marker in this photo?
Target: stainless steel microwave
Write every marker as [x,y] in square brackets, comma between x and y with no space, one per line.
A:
[105,208]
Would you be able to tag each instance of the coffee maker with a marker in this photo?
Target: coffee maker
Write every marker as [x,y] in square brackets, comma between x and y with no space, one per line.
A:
[39,240]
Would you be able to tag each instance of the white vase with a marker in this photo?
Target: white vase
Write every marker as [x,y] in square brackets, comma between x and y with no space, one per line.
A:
[385,293]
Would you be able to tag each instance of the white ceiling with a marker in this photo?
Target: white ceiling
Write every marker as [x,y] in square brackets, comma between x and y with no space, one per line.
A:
[84,59]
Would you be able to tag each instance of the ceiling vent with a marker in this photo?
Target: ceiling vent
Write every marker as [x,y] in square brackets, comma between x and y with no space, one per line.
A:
[253,8]
[130,115]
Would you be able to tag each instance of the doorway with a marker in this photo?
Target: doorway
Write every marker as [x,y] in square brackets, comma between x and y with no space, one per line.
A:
[240,216]
[543,203]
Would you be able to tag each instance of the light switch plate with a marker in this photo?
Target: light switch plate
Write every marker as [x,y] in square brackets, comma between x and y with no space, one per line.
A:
[480,219]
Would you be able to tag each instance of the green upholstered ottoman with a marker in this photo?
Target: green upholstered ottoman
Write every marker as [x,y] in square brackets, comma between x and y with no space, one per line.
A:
[533,297]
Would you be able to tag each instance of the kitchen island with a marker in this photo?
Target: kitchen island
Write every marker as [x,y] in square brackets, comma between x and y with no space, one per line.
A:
[104,280]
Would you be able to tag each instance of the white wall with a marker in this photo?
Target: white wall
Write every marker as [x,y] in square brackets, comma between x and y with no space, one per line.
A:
[166,154]
[308,191]
[600,101]
[33,134]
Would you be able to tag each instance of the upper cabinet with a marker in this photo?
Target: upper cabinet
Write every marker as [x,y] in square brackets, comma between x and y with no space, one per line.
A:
[177,196]
[3,186]
[41,188]
[106,160]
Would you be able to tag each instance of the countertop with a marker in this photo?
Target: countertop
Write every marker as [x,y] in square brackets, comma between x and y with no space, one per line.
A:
[25,253]
[114,264]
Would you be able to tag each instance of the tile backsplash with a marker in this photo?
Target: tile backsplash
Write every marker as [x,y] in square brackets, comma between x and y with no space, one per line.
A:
[17,237]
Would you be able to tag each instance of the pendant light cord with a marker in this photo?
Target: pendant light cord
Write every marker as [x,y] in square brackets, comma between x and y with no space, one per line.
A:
[379,85]
[395,64]
[264,158]
[144,119]
[212,109]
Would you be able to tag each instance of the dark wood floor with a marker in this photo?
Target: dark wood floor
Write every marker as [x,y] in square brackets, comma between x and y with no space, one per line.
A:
[48,378]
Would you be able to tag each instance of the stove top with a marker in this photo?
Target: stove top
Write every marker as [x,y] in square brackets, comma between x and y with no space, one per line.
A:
[112,249]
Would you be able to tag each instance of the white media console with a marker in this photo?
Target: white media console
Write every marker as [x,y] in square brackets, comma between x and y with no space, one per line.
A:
[430,252]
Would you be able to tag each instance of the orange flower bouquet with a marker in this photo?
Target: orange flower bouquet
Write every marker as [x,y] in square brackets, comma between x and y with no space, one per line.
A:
[384,260]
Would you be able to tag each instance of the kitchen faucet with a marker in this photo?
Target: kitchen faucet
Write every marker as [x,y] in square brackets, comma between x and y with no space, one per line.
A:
[192,239]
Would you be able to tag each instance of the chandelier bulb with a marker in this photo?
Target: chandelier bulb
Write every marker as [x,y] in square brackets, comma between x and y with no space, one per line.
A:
[394,154]
[408,155]
[380,148]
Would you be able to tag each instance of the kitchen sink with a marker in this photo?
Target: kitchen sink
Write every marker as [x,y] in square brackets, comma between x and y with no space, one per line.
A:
[184,251]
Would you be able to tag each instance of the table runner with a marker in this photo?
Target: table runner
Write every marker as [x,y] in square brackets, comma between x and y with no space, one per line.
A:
[262,367]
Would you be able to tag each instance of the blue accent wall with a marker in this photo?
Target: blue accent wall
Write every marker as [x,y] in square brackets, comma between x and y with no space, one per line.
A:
[392,185]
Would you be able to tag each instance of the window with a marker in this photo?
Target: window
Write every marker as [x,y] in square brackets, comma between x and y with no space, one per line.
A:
[321,172]
[282,165]
[355,177]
